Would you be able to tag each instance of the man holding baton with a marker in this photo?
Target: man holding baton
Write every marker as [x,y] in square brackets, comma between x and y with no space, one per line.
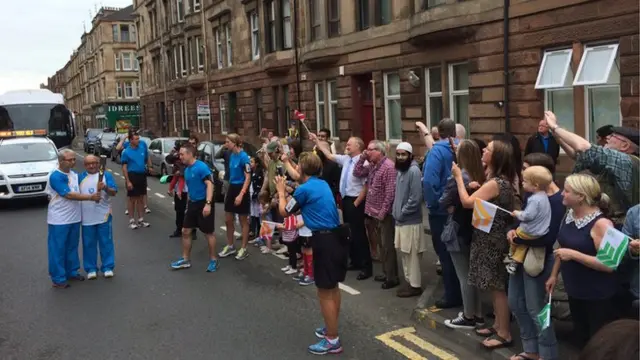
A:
[96,217]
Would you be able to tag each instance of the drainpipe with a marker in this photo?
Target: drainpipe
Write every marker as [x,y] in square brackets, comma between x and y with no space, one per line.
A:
[505,42]
[295,13]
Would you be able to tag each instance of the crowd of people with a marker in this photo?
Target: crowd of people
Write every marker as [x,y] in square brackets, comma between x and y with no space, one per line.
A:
[542,232]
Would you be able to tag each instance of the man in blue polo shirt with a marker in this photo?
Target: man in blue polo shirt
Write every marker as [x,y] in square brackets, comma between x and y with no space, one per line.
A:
[199,212]
[123,144]
[134,159]
[314,199]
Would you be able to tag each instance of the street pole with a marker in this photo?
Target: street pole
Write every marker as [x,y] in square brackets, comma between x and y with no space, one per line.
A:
[295,49]
[164,77]
[206,69]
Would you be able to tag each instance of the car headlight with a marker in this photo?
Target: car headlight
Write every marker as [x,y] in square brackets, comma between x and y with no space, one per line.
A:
[221,175]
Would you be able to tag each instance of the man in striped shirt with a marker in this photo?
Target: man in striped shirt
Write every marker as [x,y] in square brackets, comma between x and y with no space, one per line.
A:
[381,188]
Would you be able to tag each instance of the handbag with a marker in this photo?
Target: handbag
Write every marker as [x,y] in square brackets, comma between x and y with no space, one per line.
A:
[449,235]
[534,261]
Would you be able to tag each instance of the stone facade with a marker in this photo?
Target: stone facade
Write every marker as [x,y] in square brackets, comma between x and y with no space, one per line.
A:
[103,69]
[436,58]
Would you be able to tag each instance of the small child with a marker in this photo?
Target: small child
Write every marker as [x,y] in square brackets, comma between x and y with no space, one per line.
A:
[305,278]
[177,171]
[536,216]
[289,229]
[257,178]
[265,207]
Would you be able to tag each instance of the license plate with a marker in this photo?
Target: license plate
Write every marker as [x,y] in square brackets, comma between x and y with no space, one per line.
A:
[26,188]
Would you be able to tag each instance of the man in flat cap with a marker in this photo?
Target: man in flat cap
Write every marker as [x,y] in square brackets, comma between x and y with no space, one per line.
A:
[615,165]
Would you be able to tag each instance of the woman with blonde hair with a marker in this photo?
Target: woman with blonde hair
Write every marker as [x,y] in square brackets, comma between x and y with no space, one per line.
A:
[590,285]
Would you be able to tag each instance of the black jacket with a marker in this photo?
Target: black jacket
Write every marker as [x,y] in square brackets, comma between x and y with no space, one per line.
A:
[535,145]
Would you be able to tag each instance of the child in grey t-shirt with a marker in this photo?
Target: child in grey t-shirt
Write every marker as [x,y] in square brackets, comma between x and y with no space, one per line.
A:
[536,216]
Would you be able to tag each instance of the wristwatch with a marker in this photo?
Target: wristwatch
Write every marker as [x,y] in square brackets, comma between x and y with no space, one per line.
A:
[208,202]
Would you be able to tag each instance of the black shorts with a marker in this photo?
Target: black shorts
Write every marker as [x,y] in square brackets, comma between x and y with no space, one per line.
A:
[330,259]
[229,201]
[139,182]
[304,241]
[193,218]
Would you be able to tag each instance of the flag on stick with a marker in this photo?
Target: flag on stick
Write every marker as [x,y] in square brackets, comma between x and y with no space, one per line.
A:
[544,316]
[267,229]
[484,213]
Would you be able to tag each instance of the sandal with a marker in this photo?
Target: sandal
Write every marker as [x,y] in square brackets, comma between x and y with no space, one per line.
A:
[523,356]
[503,342]
[485,334]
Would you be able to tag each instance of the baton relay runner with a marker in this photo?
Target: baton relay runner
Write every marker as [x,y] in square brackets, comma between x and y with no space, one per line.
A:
[63,219]
[314,199]
[96,219]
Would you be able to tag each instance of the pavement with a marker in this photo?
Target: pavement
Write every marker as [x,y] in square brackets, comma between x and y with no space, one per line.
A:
[246,310]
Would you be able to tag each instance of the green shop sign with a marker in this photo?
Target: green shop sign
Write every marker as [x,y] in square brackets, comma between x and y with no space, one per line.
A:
[123,116]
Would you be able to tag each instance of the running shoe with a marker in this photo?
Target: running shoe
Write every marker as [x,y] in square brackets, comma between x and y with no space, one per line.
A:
[326,346]
[92,275]
[242,254]
[321,332]
[213,266]
[306,281]
[147,210]
[181,264]
[108,274]
[226,251]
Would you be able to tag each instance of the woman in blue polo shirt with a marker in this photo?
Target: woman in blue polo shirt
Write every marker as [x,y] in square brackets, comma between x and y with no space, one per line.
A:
[237,200]
[330,245]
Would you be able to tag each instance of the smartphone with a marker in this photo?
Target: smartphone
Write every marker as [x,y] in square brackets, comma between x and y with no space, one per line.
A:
[280,171]
[286,149]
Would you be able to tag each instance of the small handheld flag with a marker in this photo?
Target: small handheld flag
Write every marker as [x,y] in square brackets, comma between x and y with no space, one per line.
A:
[301,116]
[267,229]
[484,213]
[544,316]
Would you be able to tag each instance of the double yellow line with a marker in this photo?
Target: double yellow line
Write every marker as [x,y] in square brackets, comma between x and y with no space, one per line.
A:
[408,334]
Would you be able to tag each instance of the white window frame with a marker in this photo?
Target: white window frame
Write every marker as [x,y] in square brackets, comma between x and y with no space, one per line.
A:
[175,62]
[197,6]
[128,88]
[387,98]
[136,64]
[254,21]
[431,94]
[548,106]
[183,65]
[119,90]
[567,74]
[286,24]
[190,44]
[173,111]
[331,101]
[199,54]
[455,93]
[180,4]
[608,69]
[118,64]
[219,57]
[124,56]
[227,34]
[320,104]
[183,114]
[223,114]
[587,116]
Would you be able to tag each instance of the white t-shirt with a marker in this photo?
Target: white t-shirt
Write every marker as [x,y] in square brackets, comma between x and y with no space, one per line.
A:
[95,213]
[63,211]
[303,231]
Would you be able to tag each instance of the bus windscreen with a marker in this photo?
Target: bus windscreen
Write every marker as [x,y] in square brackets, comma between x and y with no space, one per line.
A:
[55,118]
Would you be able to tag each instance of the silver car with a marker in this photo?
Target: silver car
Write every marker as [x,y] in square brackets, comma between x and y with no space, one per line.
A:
[158,150]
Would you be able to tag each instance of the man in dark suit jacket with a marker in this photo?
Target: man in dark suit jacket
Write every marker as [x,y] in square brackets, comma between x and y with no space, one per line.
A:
[543,142]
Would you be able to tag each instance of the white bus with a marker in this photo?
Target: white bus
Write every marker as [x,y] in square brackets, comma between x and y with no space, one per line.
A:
[37,112]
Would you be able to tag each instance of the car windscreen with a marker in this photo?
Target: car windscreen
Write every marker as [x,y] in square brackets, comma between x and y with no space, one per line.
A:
[22,153]
[169,144]
[93,133]
[108,137]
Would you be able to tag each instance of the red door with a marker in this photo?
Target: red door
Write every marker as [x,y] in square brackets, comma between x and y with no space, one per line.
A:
[366,115]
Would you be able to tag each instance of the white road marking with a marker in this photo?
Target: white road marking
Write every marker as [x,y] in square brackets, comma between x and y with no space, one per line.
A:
[348,289]
[280,256]
[159,195]
[235,233]
[148,189]
[116,173]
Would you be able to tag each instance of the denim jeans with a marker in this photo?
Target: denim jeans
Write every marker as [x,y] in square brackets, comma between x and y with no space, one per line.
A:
[527,297]
[452,293]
